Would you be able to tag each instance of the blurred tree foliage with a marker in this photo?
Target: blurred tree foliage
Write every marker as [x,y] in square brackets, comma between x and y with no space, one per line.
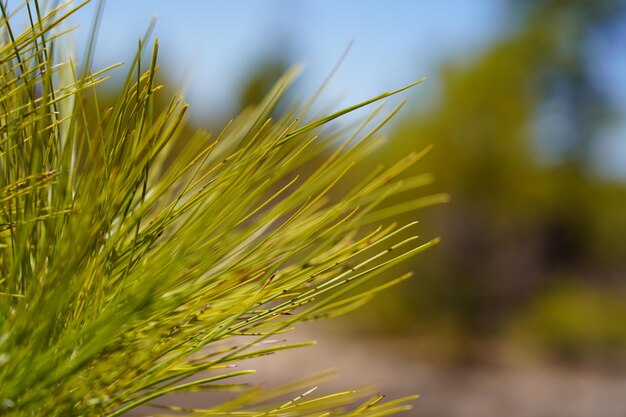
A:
[514,131]
[260,80]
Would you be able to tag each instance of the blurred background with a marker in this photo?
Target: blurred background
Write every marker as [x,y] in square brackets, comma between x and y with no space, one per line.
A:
[521,310]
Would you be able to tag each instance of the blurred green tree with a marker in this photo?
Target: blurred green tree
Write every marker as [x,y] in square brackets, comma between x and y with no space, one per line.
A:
[514,131]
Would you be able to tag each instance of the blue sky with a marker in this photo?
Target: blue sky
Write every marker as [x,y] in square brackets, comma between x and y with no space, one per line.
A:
[209,46]
[395,42]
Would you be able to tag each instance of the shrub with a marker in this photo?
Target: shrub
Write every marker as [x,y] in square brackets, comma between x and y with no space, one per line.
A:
[127,275]
[571,321]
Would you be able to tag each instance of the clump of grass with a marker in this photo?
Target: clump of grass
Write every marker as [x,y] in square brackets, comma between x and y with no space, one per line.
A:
[124,274]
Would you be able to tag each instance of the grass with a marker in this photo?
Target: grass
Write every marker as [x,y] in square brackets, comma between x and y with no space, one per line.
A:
[127,274]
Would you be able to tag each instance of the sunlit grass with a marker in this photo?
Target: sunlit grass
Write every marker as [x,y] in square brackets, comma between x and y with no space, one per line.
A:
[121,268]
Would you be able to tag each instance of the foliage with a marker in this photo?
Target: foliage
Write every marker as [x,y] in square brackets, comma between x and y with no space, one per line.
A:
[571,320]
[124,273]
[519,129]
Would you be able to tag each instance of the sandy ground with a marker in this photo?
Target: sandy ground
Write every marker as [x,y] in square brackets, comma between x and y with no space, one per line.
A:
[529,391]
[497,391]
